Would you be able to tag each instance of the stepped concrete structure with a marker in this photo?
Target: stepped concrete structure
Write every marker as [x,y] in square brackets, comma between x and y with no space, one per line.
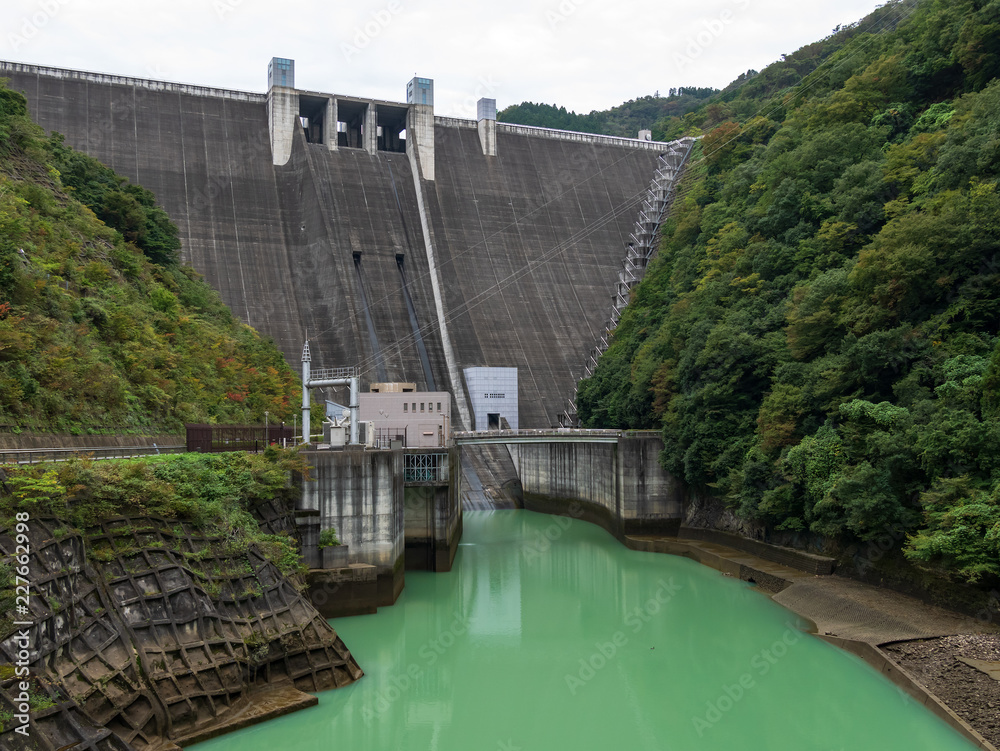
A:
[408,245]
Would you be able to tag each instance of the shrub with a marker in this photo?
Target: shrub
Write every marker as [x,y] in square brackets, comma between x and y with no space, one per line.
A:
[328,538]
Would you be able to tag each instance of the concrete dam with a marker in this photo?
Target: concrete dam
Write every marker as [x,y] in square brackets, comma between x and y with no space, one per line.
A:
[407,244]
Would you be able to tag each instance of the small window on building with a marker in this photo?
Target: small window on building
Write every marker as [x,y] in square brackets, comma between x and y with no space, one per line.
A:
[405,405]
[414,406]
[439,406]
[421,406]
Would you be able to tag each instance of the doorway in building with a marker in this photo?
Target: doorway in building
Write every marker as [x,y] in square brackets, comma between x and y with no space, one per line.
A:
[493,421]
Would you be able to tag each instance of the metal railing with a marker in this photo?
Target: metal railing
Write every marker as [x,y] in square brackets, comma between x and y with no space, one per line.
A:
[210,439]
[35,456]
[385,436]
[572,135]
[425,467]
[553,434]
[325,374]
[145,83]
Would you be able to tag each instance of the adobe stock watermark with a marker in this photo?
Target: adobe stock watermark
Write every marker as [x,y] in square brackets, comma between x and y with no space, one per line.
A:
[364,34]
[538,546]
[892,535]
[580,168]
[732,693]
[559,15]
[713,29]
[217,185]
[223,8]
[31,25]
[988,612]
[486,86]
[635,620]
[429,653]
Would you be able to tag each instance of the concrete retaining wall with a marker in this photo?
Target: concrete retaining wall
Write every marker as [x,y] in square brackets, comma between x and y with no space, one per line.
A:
[813,564]
[675,547]
[30,440]
[344,591]
[433,520]
[360,495]
[620,486]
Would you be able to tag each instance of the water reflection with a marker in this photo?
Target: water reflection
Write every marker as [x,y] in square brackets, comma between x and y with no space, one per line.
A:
[548,634]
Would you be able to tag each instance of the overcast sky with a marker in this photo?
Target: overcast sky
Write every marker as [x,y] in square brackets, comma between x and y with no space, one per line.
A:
[581,54]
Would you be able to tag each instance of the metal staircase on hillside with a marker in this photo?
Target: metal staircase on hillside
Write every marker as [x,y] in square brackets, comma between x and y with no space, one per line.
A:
[642,245]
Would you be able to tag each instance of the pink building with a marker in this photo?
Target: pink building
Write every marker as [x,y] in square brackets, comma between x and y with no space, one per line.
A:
[417,418]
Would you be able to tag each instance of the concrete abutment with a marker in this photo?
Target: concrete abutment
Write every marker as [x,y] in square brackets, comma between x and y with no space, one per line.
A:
[391,514]
[620,486]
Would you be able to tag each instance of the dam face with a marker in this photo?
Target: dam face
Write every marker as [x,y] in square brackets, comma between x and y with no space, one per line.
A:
[509,240]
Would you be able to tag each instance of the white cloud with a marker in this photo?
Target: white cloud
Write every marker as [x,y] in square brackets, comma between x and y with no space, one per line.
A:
[581,54]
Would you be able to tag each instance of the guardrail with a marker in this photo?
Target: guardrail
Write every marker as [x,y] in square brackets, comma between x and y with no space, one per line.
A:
[557,434]
[144,83]
[35,456]
[572,135]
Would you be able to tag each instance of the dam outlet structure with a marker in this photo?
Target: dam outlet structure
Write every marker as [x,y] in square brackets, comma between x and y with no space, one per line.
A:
[409,245]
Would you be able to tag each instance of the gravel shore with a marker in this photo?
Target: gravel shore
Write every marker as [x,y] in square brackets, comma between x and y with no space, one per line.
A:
[970,693]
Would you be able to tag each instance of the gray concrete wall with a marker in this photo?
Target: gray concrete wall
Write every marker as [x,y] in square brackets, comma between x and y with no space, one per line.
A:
[360,495]
[620,486]
[530,243]
[527,244]
[433,519]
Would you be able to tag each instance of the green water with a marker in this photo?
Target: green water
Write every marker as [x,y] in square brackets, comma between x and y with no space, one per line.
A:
[549,635]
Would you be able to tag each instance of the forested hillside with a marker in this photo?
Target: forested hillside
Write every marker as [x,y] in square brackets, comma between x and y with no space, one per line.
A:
[99,324]
[818,336]
[625,120]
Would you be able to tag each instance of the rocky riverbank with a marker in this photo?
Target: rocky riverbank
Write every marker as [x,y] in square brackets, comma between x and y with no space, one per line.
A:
[969,691]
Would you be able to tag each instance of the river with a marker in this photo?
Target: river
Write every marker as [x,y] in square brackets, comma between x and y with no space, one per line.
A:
[548,634]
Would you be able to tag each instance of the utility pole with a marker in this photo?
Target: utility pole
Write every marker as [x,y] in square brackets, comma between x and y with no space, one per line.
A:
[329,377]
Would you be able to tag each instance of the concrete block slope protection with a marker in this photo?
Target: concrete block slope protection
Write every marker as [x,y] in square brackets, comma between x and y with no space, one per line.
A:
[299,207]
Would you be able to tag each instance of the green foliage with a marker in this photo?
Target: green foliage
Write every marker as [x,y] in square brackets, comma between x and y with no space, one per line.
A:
[284,553]
[819,336]
[99,326]
[215,492]
[257,647]
[328,538]
[7,600]
[38,701]
[130,209]
[962,528]
[625,120]
[38,493]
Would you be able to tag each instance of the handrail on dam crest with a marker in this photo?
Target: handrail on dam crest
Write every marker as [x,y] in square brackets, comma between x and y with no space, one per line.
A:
[8,66]
[558,134]
[555,435]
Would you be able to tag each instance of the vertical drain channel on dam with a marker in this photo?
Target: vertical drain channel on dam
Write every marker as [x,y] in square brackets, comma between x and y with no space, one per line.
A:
[418,338]
[376,348]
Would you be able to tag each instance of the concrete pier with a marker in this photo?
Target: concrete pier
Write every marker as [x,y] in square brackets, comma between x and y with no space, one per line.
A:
[392,510]
[432,509]
[619,485]
[360,495]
